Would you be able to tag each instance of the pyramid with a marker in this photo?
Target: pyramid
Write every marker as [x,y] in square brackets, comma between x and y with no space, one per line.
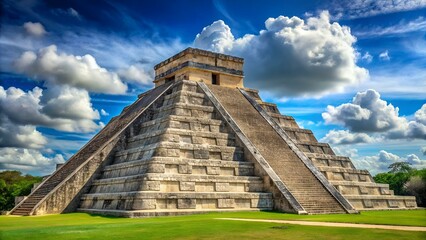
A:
[201,142]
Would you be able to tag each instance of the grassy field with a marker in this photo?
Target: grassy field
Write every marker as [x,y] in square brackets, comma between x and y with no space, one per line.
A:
[206,226]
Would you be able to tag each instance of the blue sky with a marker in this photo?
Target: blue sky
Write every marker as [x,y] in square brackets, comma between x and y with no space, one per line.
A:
[352,71]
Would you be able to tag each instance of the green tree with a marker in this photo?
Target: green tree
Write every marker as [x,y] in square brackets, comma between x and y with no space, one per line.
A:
[13,184]
[397,167]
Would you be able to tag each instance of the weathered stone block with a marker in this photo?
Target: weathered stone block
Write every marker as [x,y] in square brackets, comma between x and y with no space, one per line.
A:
[156,168]
[197,140]
[261,203]
[214,128]
[195,126]
[185,169]
[150,186]
[385,191]
[221,187]
[187,186]
[186,139]
[213,170]
[393,203]
[186,203]
[227,156]
[225,203]
[142,204]
[215,155]
[363,190]
[368,203]
[210,141]
[173,152]
[201,154]
[185,125]
[205,127]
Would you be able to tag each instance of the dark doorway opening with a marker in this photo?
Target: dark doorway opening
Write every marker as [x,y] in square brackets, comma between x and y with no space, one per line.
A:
[169,79]
[215,79]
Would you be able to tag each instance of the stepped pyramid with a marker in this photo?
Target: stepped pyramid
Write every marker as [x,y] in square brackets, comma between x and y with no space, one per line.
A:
[201,142]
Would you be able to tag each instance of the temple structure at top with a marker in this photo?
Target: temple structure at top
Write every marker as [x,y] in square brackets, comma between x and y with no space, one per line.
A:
[201,66]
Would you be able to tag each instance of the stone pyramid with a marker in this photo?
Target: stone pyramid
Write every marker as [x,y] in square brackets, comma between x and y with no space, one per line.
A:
[200,142]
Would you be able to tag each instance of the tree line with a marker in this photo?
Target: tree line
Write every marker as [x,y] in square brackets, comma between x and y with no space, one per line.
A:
[405,180]
[13,184]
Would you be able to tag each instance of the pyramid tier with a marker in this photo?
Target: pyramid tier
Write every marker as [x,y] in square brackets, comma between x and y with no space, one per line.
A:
[180,160]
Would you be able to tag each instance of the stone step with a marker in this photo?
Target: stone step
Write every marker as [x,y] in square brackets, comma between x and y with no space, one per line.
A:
[185,109]
[184,150]
[283,120]
[330,160]
[344,174]
[299,134]
[182,135]
[178,178]
[177,118]
[314,147]
[379,202]
[185,96]
[178,165]
[175,200]
[362,188]
[178,182]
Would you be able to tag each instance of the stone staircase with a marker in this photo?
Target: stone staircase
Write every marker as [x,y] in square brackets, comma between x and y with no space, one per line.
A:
[182,159]
[298,178]
[58,191]
[357,186]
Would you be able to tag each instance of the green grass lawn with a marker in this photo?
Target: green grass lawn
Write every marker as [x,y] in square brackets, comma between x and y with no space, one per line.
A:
[205,226]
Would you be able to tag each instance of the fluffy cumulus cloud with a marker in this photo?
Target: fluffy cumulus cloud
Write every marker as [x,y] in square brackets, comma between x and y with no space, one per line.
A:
[346,137]
[381,161]
[28,160]
[292,56]
[34,29]
[61,108]
[137,75]
[217,37]
[367,113]
[77,71]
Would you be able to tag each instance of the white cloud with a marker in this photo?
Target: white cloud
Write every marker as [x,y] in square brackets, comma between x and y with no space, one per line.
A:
[297,57]
[367,8]
[26,136]
[34,29]
[367,57]
[384,56]
[402,27]
[420,115]
[423,150]
[61,108]
[216,37]
[28,160]
[136,74]
[346,137]
[73,12]
[381,161]
[104,113]
[76,71]
[367,113]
